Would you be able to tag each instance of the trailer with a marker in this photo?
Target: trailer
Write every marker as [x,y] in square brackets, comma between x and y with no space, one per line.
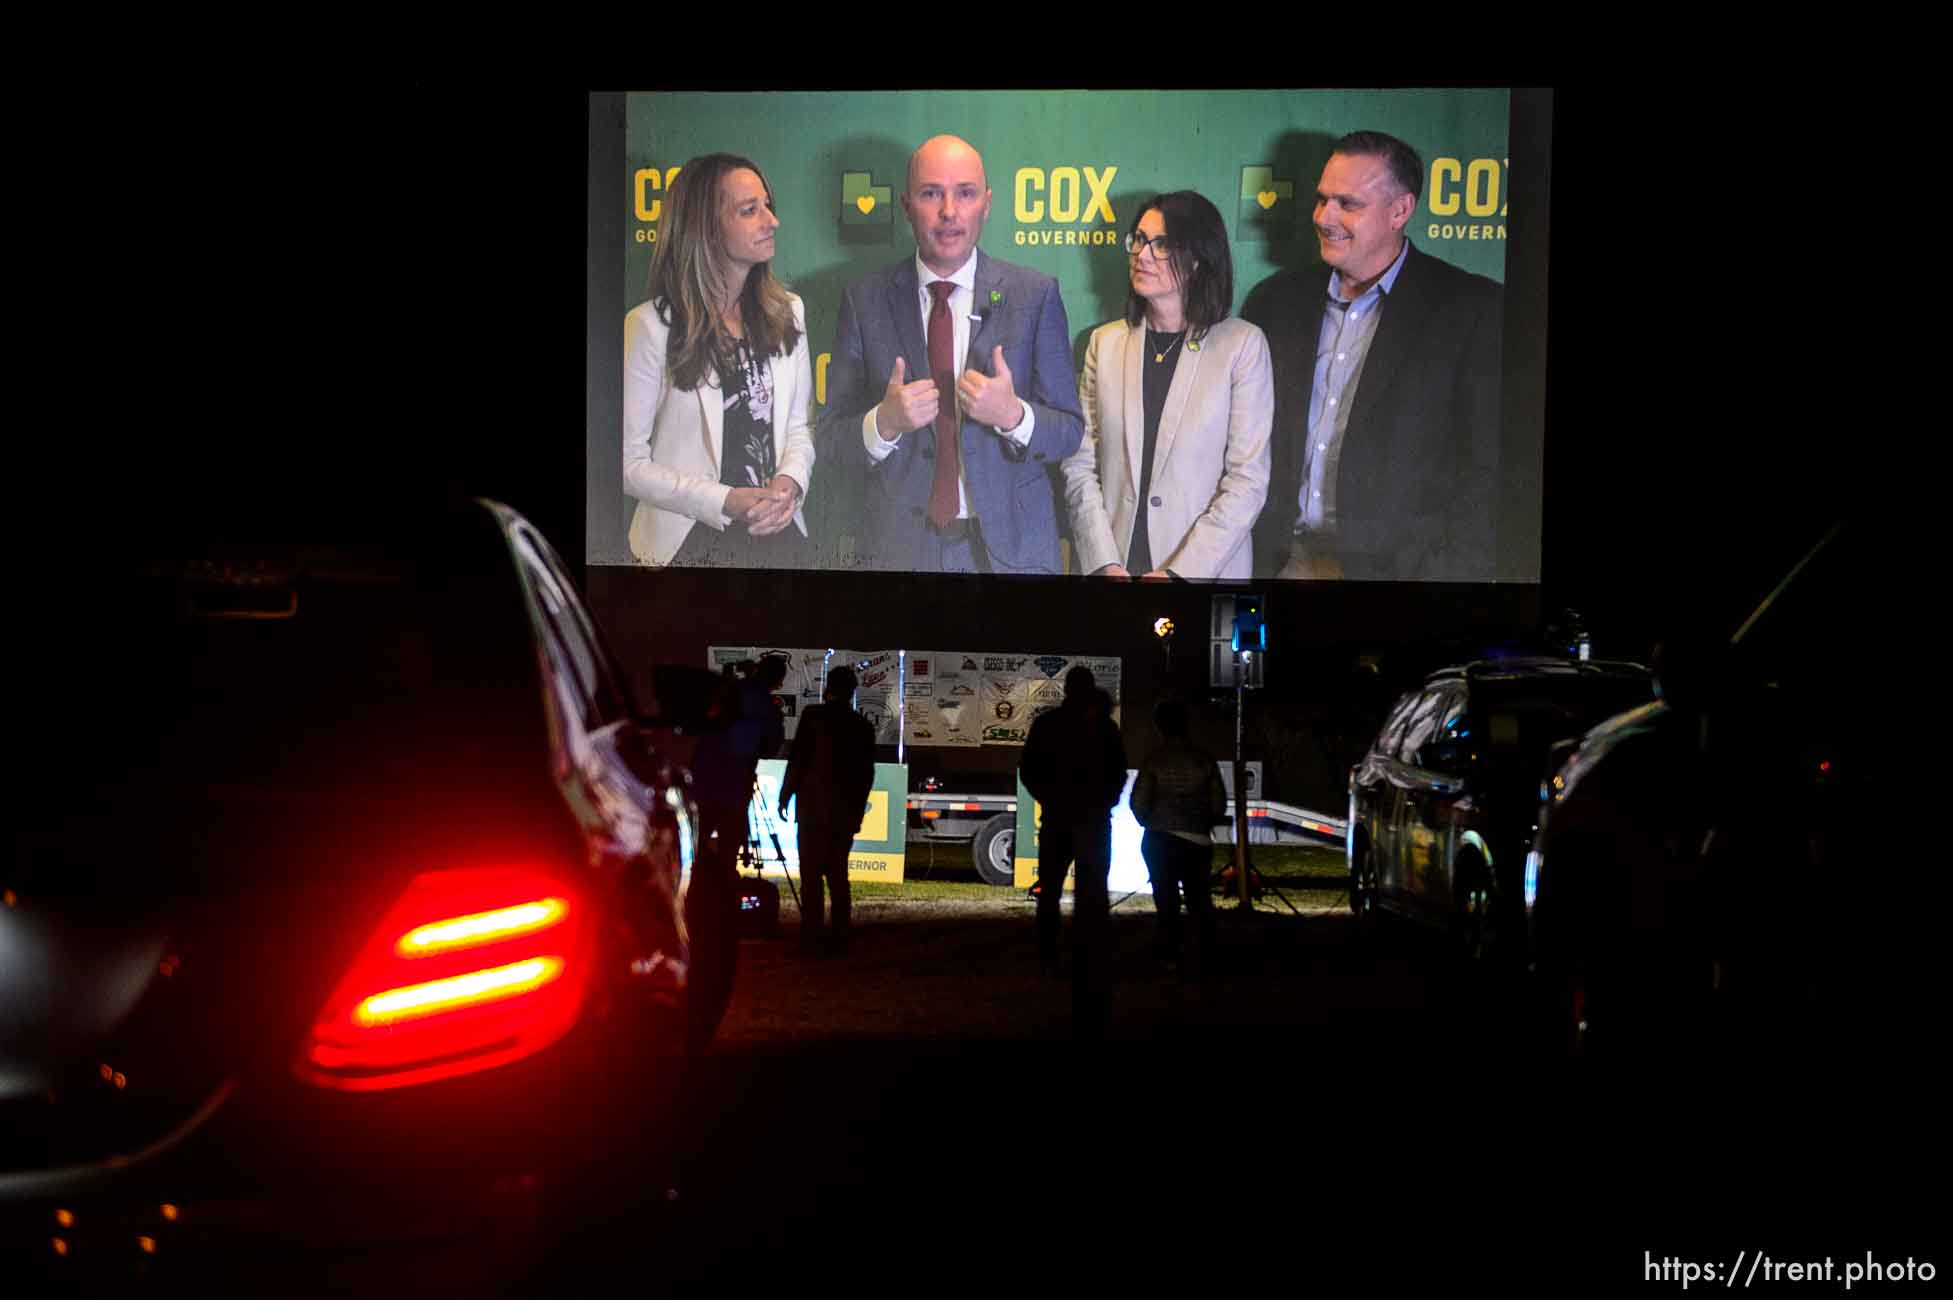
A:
[988,823]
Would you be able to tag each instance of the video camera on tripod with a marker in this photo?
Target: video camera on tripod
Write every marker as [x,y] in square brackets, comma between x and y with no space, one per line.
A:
[759,898]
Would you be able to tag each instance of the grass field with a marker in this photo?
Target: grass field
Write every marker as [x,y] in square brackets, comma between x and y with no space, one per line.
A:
[1288,867]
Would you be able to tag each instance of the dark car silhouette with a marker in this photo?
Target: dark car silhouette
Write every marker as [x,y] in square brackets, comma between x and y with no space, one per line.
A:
[342,912]
[1695,879]
[1443,806]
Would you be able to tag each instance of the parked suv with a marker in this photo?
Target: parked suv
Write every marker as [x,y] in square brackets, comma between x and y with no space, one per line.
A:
[1701,867]
[1442,808]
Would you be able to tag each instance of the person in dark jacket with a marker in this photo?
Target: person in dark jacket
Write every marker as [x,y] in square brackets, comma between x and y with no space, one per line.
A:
[1178,797]
[1074,765]
[1387,428]
[722,782]
[830,771]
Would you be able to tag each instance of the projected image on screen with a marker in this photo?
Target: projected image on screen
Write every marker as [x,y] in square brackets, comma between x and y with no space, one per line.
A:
[1197,336]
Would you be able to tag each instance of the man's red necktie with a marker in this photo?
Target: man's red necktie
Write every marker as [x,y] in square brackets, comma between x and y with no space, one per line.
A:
[942,368]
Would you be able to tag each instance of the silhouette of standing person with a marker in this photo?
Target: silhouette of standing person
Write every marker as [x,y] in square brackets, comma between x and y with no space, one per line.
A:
[1178,797]
[1074,765]
[830,771]
[722,781]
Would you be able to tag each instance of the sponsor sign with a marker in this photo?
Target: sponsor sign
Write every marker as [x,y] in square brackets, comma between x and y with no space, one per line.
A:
[879,846]
[1128,874]
[953,699]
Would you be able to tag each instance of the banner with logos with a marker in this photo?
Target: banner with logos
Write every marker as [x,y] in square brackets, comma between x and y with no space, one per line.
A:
[982,697]
[879,846]
[956,698]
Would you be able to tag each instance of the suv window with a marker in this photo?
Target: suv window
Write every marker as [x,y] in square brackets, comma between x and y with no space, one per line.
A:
[1393,727]
[1455,724]
[1423,721]
[341,670]
[1523,719]
[571,641]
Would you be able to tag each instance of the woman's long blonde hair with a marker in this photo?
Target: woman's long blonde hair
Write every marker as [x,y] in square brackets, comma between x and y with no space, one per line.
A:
[690,275]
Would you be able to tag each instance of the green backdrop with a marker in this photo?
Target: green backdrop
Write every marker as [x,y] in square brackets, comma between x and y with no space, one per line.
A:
[1068,170]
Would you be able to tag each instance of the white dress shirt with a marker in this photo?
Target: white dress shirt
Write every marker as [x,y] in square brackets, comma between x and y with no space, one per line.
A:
[961,300]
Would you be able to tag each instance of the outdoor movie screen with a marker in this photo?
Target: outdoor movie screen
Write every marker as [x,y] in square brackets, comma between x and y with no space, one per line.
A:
[1185,335]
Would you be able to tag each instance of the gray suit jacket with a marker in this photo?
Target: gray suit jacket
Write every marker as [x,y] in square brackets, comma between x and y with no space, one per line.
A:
[1012,492]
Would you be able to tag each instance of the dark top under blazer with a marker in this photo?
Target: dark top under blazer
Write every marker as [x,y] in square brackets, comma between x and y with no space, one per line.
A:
[1417,484]
[1013,493]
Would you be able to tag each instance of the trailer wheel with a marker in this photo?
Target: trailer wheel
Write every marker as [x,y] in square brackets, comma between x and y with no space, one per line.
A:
[994,850]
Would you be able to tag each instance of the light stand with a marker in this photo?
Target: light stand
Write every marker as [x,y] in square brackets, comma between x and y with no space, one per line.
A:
[1242,659]
[1250,639]
[1238,632]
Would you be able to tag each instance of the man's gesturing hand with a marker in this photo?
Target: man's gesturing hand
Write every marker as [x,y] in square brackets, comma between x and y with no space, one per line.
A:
[991,399]
[905,406]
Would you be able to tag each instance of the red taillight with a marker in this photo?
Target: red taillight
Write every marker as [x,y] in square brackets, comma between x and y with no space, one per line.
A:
[482,927]
[467,970]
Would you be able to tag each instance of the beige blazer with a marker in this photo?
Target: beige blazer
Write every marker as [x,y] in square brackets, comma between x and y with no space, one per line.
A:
[1210,465]
[673,438]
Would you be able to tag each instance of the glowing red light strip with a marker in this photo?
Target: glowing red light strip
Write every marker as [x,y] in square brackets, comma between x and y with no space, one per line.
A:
[482,927]
[413,1001]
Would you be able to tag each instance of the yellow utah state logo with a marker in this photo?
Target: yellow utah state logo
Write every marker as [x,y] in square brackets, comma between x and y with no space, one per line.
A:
[867,210]
[1267,207]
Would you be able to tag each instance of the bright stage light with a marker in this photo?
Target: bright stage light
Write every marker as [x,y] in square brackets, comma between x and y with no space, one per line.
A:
[1128,874]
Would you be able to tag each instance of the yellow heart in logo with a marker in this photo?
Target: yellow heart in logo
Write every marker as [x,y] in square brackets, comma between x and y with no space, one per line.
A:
[1266,198]
[866,202]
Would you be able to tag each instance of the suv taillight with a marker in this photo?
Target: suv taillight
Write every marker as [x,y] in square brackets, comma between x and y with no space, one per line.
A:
[469,969]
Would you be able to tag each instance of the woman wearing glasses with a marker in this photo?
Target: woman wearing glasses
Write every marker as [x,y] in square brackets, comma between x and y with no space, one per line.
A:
[717,448]
[1178,406]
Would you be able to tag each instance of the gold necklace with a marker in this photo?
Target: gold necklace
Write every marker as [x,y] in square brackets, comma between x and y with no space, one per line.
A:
[1160,356]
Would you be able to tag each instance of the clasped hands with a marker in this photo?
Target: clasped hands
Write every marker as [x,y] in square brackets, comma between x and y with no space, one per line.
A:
[987,399]
[765,510]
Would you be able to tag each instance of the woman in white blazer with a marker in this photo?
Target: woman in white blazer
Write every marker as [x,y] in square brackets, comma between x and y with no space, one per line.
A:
[717,446]
[1179,402]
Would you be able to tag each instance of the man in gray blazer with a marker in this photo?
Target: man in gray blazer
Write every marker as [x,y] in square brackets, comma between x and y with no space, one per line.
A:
[958,403]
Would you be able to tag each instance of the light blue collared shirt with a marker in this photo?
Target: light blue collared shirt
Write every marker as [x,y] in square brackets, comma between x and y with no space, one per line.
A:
[1341,348]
